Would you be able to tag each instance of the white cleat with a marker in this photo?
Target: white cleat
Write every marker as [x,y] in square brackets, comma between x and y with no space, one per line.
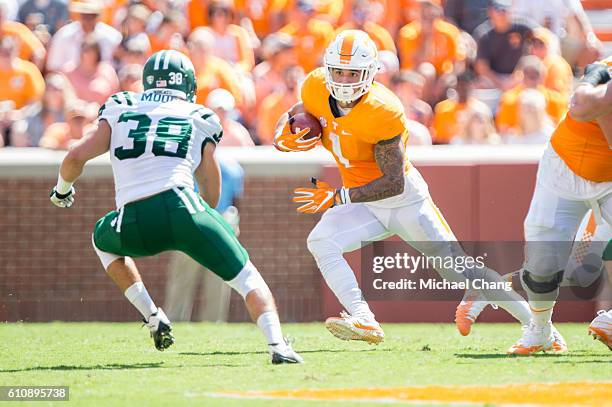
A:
[284,354]
[348,328]
[534,339]
[468,310]
[559,345]
[601,328]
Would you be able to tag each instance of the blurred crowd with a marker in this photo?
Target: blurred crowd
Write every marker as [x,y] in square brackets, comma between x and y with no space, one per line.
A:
[467,71]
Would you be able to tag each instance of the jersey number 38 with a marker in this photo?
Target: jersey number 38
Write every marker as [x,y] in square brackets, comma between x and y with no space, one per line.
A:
[171,136]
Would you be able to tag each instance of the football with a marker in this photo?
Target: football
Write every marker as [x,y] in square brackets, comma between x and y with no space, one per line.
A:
[304,119]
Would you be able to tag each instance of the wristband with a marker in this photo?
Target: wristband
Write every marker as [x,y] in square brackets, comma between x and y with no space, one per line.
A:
[63,187]
[344,196]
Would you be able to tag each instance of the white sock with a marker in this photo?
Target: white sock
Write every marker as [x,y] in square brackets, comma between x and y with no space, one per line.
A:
[518,308]
[542,313]
[269,324]
[340,278]
[139,297]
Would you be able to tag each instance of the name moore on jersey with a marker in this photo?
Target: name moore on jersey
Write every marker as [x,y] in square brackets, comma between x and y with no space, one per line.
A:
[156,141]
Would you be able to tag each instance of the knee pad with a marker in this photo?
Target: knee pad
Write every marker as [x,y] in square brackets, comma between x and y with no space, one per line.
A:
[105,258]
[247,280]
[545,284]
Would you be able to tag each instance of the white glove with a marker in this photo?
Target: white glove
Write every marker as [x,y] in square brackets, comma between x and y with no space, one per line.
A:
[62,200]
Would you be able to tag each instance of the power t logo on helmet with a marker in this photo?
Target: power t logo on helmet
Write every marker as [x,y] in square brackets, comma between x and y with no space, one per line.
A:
[172,71]
[351,61]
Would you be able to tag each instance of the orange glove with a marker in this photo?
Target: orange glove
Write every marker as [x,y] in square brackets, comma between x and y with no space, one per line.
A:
[287,141]
[320,198]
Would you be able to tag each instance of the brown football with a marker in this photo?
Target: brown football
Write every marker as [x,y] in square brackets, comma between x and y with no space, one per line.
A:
[302,120]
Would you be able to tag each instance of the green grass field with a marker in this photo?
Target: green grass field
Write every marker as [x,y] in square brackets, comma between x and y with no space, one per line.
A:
[116,363]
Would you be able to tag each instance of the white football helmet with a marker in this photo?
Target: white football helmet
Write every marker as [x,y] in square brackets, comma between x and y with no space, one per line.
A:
[354,50]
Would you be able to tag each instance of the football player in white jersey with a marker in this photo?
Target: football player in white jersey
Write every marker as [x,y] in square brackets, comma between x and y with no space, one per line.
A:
[158,140]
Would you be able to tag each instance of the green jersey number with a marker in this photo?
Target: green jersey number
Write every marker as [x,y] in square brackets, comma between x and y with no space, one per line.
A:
[172,136]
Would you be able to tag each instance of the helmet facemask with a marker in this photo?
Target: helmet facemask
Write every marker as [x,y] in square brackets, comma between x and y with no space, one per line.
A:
[350,92]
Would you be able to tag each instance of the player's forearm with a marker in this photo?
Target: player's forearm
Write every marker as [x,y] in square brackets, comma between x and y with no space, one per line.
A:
[590,102]
[389,155]
[72,167]
[381,188]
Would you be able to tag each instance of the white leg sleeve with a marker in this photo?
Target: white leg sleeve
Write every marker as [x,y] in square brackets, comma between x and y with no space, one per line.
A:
[340,230]
[105,257]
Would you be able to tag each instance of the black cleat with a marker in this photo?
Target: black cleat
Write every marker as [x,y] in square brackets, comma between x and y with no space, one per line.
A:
[163,336]
[161,331]
[288,355]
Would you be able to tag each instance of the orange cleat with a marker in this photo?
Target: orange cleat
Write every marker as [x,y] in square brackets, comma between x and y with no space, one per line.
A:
[349,328]
[601,328]
[472,304]
[559,345]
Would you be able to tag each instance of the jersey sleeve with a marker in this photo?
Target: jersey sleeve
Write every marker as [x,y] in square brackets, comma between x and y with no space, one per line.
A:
[114,105]
[385,119]
[208,126]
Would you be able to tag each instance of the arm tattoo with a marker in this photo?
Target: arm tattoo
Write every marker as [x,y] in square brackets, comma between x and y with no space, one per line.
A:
[389,155]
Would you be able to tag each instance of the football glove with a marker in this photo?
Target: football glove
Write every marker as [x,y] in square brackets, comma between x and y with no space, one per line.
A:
[320,198]
[62,200]
[287,141]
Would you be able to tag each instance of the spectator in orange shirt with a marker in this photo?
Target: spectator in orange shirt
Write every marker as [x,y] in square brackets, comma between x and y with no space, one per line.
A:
[535,126]
[278,51]
[559,75]
[211,72]
[51,109]
[93,79]
[532,72]
[448,114]
[20,81]
[197,13]
[476,127]
[169,34]
[361,19]
[392,14]
[28,46]
[311,35]
[224,105]
[278,102]
[60,136]
[231,41]
[431,46]
[266,16]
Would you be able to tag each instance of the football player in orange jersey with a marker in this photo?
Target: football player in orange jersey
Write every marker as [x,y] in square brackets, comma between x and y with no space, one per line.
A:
[364,128]
[574,175]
